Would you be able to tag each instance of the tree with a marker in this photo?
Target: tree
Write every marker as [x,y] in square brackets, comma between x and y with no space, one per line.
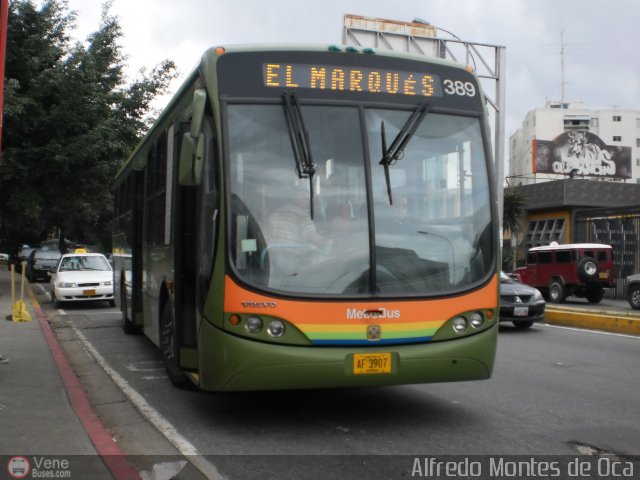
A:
[70,122]
[514,208]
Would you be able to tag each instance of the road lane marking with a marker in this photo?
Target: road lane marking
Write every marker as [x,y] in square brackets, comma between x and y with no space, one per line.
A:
[144,366]
[186,448]
[586,330]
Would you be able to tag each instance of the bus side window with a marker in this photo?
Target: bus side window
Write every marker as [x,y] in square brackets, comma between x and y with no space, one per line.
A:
[531,259]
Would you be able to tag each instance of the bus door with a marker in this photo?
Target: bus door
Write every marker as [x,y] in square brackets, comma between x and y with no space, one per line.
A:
[196,214]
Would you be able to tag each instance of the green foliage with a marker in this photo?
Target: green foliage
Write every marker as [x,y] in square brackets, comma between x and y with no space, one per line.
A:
[514,208]
[70,121]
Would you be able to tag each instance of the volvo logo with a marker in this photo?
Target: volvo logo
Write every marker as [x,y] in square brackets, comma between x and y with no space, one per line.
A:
[259,304]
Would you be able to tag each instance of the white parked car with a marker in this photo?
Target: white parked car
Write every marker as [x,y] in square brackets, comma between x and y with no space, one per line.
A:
[82,277]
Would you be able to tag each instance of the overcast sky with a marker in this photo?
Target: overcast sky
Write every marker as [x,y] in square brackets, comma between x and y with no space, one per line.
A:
[602,37]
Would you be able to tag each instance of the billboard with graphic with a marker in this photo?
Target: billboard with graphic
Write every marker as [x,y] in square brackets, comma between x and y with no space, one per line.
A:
[583,154]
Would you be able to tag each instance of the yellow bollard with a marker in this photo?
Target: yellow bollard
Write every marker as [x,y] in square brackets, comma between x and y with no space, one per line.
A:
[19,313]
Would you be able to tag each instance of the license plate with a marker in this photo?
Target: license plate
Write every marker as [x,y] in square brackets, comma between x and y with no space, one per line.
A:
[603,275]
[89,293]
[520,311]
[369,363]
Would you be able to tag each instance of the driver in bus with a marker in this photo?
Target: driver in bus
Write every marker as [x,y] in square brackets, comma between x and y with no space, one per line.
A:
[292,224]
[291,233]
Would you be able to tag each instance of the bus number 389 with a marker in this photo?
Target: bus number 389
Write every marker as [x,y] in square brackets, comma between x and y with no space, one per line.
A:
[459,87]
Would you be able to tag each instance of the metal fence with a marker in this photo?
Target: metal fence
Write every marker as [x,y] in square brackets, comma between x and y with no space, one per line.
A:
[621,230]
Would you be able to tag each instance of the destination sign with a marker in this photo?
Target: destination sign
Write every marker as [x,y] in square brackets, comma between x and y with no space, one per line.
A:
[344,78]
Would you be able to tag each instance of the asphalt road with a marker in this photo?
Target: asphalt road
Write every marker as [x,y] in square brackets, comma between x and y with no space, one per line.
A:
[554,391]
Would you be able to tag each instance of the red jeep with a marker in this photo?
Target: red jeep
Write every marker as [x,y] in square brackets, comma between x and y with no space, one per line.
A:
[580,269]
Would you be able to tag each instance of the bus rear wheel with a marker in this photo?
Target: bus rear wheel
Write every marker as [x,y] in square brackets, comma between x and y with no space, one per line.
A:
[168,348]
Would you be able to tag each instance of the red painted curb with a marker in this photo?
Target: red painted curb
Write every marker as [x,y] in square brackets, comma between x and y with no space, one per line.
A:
[112,456]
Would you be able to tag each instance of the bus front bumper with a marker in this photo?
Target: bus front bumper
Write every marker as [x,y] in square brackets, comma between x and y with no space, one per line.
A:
[231,363]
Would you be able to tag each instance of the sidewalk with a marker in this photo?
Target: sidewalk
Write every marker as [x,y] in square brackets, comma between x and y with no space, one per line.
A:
[43,410]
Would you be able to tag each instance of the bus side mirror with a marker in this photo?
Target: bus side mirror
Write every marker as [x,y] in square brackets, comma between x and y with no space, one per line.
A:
[192,148]
[191,160]
[199,102]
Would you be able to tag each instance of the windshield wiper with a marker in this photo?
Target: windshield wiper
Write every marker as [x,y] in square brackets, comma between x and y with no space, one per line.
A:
[392,154]
[305,168]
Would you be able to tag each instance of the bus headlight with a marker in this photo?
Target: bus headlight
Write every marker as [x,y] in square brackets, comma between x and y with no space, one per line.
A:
[476,319]
[275,328]
[253,324]
[459,324]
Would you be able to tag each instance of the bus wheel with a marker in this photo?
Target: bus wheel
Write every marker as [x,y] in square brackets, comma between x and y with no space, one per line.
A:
[169,351]
[127,325]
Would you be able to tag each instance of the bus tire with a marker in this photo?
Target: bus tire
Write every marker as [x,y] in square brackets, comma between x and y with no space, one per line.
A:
[128,326]
[169,352]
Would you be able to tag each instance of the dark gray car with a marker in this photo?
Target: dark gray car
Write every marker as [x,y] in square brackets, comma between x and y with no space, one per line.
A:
[633,291]
[40,263]
[519,303]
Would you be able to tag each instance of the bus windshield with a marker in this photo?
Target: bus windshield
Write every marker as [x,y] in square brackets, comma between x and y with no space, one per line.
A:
[422,228]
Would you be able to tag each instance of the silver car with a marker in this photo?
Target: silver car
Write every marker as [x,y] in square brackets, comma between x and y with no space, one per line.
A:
[519,303]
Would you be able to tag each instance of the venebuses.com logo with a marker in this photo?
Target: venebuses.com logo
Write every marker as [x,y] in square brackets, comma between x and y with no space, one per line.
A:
[38,467]
[18,467]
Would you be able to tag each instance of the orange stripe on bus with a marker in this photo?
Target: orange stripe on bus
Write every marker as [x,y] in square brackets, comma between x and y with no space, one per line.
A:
[301,312]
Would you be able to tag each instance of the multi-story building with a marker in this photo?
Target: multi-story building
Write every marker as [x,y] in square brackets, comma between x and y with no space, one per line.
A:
[579,171]
[565,139]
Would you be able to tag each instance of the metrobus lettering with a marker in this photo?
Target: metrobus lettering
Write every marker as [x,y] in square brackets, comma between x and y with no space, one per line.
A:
[353,313]
[351,79]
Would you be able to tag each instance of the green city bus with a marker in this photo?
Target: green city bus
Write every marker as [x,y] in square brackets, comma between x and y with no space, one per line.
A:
[313,217]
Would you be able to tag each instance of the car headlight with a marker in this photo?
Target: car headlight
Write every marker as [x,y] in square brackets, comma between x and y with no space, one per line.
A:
[66,285]
[106,284]
[537,295]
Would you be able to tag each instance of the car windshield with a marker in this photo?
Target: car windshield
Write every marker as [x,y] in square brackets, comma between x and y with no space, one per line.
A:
[504,278]
[308,225]
[84,262]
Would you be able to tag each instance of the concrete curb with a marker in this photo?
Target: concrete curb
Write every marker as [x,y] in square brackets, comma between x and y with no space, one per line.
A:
[608,321]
